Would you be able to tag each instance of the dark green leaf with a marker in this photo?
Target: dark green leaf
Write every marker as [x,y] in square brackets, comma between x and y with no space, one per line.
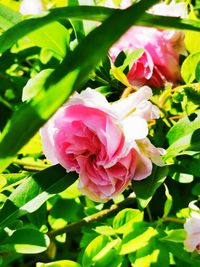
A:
[31,194]
[8,17]
[26,241]
[184,136]
[146,188]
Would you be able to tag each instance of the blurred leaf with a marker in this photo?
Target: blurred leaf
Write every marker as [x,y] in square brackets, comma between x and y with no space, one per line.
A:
[192,38]
[32,193]
[34,146]
[58,42]
[8,17]
[124,220]
[10,37]
[26,241]
[35,84]
[177,236]
[189,66]
[140,237]
[146,188]
[62,263]
[168,202]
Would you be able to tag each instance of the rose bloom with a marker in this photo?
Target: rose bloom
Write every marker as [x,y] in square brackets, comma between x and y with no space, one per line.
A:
[192,227]
[159,62]
[105,143]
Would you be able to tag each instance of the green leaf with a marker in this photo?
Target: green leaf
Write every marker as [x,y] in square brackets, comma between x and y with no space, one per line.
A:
[26,241]
[189,66]
[125,219]
[10,37]
[140,237]
[34,84]
[62,263]
[168,202]
[183,136]
[146,188]
[176,236]
[178,251]
[101,252]
[151,255]
[8,17]
[77,24]
[58,42]
[197,73]
[32,193]
[73,71]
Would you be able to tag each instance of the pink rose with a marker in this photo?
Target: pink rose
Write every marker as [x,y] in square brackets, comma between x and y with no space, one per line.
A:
[160,61]
[192,227]
[105,143]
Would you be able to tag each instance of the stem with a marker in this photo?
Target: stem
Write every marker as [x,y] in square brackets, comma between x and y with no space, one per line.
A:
[34,166]
[92,218]
[172,219]
[149,213]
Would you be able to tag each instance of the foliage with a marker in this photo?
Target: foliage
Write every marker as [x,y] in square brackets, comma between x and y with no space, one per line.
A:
[44,220]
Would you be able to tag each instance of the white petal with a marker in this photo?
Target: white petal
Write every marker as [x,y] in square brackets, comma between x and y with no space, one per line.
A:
[134,128]
[47,133]
[125,106]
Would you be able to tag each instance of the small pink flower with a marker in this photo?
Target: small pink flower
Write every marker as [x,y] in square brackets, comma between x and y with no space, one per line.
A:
[192,227]
[159,63]
[103,142]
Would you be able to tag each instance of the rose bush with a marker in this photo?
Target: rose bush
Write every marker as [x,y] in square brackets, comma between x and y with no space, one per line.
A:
[192,227]
[105,143]
[159,62]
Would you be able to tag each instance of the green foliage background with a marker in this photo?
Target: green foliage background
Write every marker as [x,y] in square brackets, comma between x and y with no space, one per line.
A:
[44,219]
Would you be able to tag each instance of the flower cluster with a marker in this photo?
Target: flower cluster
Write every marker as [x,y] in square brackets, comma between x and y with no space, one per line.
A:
[159,63]
[105,143]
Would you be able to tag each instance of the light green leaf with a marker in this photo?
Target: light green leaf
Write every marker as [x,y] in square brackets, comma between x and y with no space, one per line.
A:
[26,241]
[189,66]
[177,236]
[33,192]
[155,254]
[184,136]
[100,252]
[34,84]
[140,237]
[53,36]
[168,202]
[8,17]
[62,263]
[125,219]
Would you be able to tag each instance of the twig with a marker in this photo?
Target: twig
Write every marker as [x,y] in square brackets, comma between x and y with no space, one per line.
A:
[172,219]
[34,166]
[94,217]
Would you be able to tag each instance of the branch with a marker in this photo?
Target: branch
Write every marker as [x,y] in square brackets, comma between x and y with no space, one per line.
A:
[129,202]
